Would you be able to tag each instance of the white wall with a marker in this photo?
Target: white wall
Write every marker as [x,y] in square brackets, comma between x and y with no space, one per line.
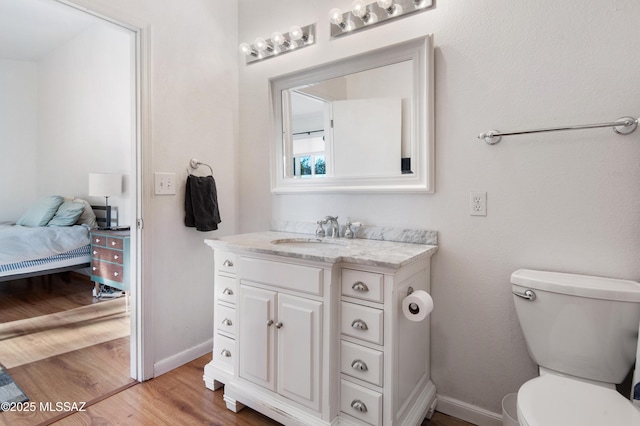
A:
[558,201]
[194,114]
[85,114]
[18,137]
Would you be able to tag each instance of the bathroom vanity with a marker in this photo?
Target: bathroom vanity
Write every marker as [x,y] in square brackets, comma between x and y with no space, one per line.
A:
[310,331]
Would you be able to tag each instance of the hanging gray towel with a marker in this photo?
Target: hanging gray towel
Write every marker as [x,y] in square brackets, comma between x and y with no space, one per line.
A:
[201,203]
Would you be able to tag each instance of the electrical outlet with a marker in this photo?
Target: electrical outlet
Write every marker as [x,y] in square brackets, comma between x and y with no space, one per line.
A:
[164,183]
[478,203]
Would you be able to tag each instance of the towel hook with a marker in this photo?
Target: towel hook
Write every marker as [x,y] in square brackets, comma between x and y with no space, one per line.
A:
[194,163]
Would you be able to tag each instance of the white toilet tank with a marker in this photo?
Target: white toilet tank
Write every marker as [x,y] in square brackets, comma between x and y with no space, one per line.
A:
[579,325]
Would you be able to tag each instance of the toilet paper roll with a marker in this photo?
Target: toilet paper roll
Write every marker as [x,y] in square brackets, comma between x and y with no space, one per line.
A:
[417,305]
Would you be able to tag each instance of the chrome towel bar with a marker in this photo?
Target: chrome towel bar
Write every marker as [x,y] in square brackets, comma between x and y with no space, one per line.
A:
[622,126]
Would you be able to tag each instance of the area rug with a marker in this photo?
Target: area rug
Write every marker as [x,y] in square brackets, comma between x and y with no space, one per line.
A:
[9,391]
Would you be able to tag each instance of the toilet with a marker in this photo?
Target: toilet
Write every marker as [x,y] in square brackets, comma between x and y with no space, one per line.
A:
[582,331]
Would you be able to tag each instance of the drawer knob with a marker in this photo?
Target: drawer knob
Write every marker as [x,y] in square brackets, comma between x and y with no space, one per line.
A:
[94,268]
[359,365]
[360,286]
[227,291]
[358,405]
[115,274]
[116,257]
[113,243]
[97,240]
[95,252]
[226,321]
[279,325]
[225,353]
[228,263]
[359,325]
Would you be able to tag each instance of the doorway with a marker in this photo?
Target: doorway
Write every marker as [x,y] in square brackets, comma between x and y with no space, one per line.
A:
[113,147]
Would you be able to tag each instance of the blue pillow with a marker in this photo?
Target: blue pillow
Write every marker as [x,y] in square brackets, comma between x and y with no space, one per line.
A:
[67,214]
[42,212]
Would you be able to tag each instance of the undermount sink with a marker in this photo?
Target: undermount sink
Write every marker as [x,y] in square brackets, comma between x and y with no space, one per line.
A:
[307,242]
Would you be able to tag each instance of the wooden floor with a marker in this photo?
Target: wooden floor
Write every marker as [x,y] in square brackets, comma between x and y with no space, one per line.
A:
[179,397]
[61,345]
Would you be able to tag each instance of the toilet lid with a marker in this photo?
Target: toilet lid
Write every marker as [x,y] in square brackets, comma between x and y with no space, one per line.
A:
[558,401]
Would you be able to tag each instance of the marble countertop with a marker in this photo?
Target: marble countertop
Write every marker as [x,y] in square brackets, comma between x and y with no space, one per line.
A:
[391,254]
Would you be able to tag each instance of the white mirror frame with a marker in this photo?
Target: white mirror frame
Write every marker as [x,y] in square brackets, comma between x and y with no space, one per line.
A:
[420,51]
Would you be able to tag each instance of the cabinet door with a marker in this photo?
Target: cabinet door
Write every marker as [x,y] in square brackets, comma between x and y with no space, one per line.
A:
[257,349]
[299,348]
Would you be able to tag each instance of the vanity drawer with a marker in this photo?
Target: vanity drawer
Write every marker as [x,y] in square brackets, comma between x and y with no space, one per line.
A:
[362,322]
[225,319]
[225,261]
[224,351]
[360,362]
[226,288]
[361,403]
[306,279]
[363,285]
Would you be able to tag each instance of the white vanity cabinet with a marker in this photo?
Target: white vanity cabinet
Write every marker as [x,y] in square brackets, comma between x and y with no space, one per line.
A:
[319,340]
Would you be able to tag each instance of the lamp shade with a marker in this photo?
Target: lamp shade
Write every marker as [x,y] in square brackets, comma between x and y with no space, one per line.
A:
[105,184]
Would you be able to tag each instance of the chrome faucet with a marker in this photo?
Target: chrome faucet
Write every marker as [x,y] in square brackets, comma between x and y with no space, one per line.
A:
[335,228]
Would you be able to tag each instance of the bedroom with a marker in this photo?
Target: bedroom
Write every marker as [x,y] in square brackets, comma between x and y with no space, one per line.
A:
[66,80]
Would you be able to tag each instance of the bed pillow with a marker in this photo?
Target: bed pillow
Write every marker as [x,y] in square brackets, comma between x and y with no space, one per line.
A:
[88,217]
[41,213]
[67,214]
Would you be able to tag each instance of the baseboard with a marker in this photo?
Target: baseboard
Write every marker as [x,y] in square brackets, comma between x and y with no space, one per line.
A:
[182,358]
[467,412]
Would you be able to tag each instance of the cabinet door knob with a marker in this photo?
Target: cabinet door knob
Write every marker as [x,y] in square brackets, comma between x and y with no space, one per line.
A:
[228,263]
[269,323]
[225,353]
[358,405]
[360,286]
[359,325]
[359,365]
[279,325]
[227,291]
[226,321]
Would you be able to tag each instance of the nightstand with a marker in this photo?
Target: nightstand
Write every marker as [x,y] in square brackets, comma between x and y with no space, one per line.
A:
[110,259]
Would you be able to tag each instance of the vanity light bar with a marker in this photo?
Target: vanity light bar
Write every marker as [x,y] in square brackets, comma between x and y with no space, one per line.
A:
[363,16]
[278,44]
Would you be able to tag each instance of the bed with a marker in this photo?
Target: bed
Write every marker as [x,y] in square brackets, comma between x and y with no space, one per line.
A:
[51,237]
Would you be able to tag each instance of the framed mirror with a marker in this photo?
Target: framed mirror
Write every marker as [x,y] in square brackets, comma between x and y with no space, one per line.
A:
[359,124]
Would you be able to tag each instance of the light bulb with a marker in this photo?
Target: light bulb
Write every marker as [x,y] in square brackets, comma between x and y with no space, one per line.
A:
[246,49]
[335,17]
[260,44]
[277,38]
[295,32]
[359,8]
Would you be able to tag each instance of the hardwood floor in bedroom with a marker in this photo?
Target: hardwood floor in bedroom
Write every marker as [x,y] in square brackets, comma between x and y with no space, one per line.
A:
[59,344]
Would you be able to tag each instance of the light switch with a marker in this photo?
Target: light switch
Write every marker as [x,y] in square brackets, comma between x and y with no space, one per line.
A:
[164,183]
